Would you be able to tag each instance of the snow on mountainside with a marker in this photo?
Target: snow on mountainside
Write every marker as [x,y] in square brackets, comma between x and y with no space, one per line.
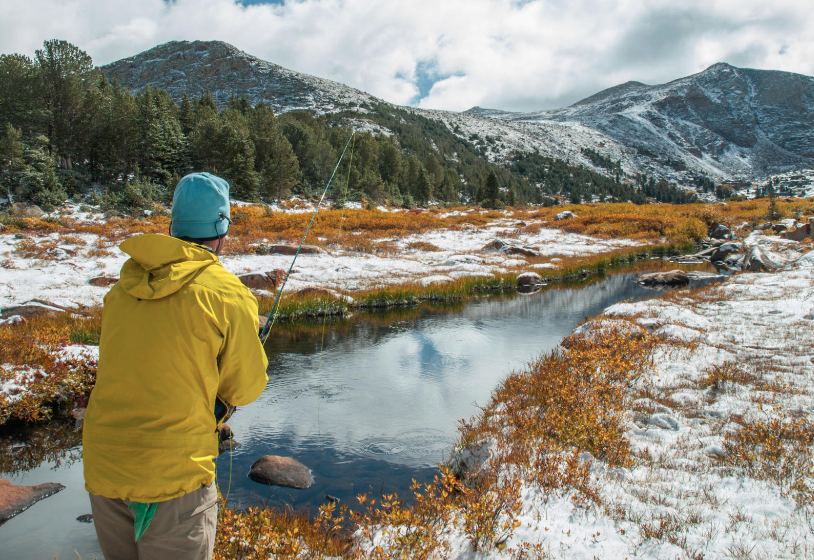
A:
[200,66]
[726,122]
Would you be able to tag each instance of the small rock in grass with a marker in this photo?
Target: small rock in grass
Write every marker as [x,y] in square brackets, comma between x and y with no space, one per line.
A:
[102,281]
[16,499]
[85,518]
[495,245]
[290,250]
[263,280]
[565,215]
[281,471]
[524,251]
[26,210]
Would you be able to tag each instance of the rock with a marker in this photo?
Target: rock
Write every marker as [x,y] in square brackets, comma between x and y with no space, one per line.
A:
[16,499]
[757,261]
[437,279]
[415,211]
[32,309]
[723,251]
[664,421]
[228,445]
[102,281]
[2,227]
[564,215]
[496,245]
[263,280]
[529,279]
[85,518]
[525,251]
[721,232]
[291,250]
[281,471]
[671,278]
[802,232]
[224,432]
[764,226]
[262,320]
[520,224]
[779,228]
[26,210]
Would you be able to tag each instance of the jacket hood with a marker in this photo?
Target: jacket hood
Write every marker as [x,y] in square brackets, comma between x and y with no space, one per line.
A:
[160,265]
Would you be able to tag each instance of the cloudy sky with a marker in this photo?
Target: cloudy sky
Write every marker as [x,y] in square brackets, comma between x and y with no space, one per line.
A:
[445,54]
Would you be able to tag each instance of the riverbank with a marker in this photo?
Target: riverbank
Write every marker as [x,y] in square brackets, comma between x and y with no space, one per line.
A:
[674,427]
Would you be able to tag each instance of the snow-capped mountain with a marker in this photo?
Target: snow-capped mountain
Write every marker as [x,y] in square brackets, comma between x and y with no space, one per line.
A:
[727,122]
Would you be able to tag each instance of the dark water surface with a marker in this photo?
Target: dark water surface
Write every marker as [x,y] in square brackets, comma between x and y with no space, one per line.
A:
[376,408]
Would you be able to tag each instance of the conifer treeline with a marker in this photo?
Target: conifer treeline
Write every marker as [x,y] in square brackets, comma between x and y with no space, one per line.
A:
[64,128]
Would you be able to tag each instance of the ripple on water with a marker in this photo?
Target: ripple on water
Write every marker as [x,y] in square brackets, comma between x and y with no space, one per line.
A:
[427,444]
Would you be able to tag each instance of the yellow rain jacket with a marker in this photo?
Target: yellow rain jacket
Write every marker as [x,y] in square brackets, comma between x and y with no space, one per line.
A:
[177,331]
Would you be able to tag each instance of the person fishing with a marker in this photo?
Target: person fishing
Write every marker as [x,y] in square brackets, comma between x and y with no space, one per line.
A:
[179,334]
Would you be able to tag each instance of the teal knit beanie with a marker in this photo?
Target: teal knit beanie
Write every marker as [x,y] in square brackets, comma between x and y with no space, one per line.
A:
[200,207]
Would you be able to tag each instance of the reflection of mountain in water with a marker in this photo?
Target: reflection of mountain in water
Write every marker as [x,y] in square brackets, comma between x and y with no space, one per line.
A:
[380,404]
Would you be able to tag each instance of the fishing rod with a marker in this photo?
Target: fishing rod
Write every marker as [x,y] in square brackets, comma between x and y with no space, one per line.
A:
[264,334]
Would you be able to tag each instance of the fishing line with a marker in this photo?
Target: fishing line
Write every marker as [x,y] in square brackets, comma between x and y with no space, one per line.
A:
[325,314]
[272,317]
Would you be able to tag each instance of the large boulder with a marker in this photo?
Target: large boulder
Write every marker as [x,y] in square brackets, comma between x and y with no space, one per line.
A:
[803,231]
[32,309]
[721,232]
[723,251]
[16,499]
[757,260]
[529,279]
[263,280]
[26,210]
[281,471]
[670,278]
[524,251]
[564,215]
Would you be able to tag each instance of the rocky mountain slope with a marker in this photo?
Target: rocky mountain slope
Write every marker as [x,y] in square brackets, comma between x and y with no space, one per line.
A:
[726,122]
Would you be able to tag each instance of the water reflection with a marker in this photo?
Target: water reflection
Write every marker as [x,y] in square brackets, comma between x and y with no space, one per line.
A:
[379,405]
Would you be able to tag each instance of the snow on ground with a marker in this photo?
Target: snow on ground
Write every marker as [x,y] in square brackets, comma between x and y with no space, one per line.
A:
[61,274]
[688,501]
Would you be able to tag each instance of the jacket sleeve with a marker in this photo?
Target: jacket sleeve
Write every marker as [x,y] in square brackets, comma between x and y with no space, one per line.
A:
[242,359]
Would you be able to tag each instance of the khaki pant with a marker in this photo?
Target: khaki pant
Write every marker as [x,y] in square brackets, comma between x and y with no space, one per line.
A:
[182,529]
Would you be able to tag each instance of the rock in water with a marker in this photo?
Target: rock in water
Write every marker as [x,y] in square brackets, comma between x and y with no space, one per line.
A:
[85,518]
[16,499]
[529,279]
[281,471]
[228,445]
[671,278]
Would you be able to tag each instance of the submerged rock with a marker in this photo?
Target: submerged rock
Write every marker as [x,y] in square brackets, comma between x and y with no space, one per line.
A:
[85,518]
[671,278]
[16,499]
[281,471]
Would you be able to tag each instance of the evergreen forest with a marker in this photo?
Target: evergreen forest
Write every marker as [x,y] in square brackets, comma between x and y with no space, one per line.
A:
[67,132]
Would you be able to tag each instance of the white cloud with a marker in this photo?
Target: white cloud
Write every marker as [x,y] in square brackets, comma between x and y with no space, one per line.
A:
[494,53]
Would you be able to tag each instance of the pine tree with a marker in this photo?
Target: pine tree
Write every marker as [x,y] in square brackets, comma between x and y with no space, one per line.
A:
[491,192]
[39,182]
[12,165]
[511,197]
[423,188]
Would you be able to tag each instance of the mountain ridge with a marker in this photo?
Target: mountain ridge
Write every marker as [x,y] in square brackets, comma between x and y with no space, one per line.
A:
[725,122]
